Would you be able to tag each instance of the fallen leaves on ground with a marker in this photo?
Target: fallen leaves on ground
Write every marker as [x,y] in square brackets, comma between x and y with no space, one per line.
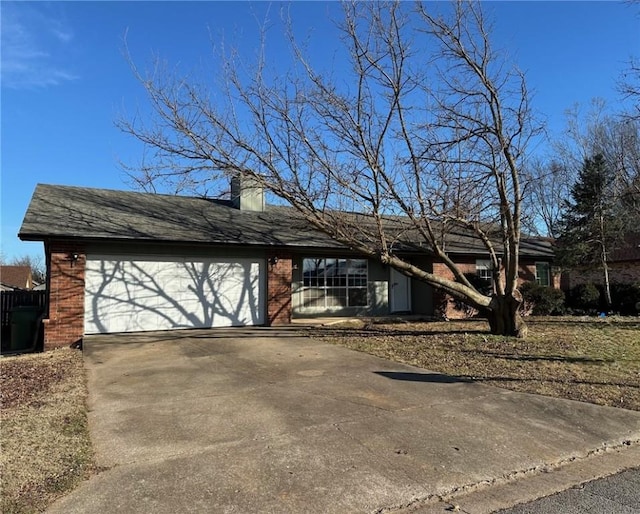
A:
[596,361]
[25,379]
[45,444]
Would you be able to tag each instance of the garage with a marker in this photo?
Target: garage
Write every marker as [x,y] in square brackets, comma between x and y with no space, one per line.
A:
[125,294]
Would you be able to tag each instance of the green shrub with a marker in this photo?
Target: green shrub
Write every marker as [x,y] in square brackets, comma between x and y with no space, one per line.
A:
[625,298]
[584,297]
[543,300]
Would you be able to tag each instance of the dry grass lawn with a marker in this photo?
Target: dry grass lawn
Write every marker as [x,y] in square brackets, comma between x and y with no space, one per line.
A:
[585,359]
[44,439]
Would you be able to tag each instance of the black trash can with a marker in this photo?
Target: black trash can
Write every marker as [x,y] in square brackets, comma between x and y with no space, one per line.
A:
[25,323]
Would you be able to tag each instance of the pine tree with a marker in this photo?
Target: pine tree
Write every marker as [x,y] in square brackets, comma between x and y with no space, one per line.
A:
[592,223]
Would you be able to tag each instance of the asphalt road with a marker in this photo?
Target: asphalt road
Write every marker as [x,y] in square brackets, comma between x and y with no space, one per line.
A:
[616,494]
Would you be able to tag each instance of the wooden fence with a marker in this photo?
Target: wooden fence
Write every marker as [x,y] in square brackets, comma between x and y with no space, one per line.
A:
[11,299]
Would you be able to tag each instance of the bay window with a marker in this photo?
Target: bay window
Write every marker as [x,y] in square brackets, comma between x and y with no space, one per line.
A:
[334,282]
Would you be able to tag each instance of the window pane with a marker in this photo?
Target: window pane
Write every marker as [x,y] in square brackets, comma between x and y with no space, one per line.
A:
[330,270]
[357,272]
[318,302]
[483,272]
[542,273]
[336,297]
[335,282]
[312,272]
[358,267]
[357,297]
[310,293]
[341,273]
[312,298]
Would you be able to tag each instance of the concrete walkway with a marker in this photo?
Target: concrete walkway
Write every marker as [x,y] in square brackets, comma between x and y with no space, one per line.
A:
[266,420]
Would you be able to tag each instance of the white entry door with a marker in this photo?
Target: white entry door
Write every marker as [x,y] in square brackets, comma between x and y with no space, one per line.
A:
[125,294]
[400,292]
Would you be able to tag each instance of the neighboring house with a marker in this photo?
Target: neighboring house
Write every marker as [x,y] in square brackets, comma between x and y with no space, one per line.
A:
[125,261]
[16,277]
[623,263]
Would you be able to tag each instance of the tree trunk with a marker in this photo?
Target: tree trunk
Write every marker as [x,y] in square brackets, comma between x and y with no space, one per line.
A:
[504,316]
[607,285]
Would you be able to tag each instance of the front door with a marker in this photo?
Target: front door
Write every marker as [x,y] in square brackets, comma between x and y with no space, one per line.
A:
[400,292]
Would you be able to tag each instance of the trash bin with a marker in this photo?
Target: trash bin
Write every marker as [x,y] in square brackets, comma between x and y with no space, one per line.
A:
[24,327]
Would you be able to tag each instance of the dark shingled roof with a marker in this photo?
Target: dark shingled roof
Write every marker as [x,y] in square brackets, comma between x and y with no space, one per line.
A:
[101,214]
[68,212]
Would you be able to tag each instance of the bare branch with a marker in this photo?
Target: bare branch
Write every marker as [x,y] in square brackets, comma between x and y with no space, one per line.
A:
[422,137]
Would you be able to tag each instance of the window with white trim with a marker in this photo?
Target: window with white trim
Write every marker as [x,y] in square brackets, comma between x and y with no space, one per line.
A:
[483,270]
[543,273]
[334,282]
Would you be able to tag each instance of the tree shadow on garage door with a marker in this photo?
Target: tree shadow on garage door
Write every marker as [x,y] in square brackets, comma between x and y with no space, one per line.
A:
[125,295]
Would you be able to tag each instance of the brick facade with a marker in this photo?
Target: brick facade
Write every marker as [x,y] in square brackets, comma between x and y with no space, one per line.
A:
[279,277]
[66,276]
[66,267]
[445,306]
[619,272]
[65,324]
[624,266]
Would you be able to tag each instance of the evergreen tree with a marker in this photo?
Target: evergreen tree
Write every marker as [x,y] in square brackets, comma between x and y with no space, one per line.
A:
[592,223]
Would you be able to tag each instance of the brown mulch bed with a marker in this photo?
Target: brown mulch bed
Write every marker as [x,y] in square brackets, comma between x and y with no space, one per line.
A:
[585,359]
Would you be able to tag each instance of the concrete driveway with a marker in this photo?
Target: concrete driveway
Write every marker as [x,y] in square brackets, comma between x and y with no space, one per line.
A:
[267,420]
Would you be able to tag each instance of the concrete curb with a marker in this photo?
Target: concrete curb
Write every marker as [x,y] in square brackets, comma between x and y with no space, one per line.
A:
[529,485]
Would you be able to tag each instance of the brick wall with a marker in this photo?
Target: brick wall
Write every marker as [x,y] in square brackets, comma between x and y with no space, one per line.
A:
[619,272]
[446,306]
[279,289]
[65,324]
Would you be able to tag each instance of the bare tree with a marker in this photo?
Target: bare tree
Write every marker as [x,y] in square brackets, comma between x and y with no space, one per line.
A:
[423,134]
[629,87]
[629,81]
[594,131]
[617,138]
[547,187]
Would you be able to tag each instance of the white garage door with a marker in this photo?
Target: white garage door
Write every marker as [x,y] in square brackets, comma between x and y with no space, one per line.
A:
[130,295]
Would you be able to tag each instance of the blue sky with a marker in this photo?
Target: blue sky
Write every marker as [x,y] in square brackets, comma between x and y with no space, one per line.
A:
[65,78]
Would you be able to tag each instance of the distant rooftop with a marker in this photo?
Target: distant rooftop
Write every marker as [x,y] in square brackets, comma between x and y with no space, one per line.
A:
[18,277]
